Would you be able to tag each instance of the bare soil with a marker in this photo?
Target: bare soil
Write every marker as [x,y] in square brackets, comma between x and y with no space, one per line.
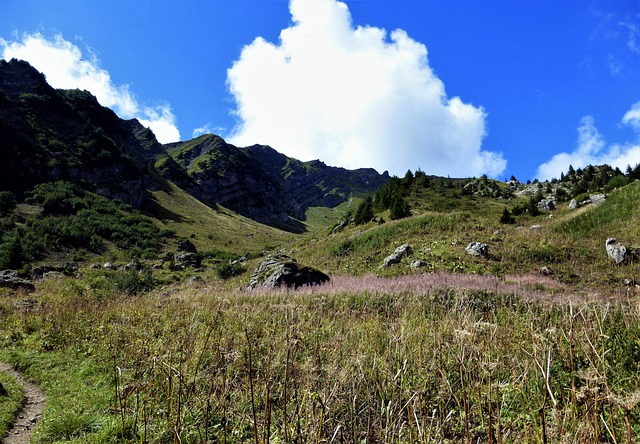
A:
[31,412]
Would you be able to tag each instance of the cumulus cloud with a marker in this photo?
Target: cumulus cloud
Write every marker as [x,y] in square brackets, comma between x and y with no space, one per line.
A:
[354,96]
[66,67]
[592,149]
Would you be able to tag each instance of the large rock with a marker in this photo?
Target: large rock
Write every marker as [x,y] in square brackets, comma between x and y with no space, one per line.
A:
[68,268]
[403,250]
[186,256]
[10,279]
[546,205]
[573,204]
[616,252]
[478,249]
[282,270]
[597,199]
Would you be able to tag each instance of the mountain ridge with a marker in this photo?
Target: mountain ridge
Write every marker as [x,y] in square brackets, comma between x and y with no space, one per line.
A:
[52,134]
[259,182]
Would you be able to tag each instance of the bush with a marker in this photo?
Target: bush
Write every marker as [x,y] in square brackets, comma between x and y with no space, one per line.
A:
[132,282]
[229,270]
[7,202]
[507,217]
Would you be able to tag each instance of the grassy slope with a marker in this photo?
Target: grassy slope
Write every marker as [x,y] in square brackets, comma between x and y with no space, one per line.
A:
[571,242]
[365,359]
[209,229]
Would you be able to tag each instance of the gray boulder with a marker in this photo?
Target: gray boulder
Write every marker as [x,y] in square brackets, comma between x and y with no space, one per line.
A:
[281,270]
[403,250]
[573,204]
[616,252]
[546,205]
[184,259]
[478,249]
[186,256]
[418,264]
[10,279]
[597,199]
[546,271]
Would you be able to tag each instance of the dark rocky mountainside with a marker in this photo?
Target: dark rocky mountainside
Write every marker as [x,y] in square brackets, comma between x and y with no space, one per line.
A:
[49,135]
[261,183]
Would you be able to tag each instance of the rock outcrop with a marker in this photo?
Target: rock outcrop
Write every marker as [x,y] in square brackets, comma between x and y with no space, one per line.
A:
[284,271]
[10,279]
[546,205]
[477,249]
[615,251]
[402,251]
[186,256]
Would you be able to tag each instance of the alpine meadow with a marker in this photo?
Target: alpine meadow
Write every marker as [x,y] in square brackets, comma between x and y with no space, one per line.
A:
[202,292]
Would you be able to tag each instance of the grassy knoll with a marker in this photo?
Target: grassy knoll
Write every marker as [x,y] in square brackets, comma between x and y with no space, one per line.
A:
[424,358]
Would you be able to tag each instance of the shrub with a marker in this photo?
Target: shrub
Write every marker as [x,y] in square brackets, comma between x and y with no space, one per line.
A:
[132,282]
[229,270]
[507,217]
[7,202]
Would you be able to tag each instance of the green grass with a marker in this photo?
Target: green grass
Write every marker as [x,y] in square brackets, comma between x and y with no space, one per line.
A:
[619,213]
[10,403]
[211,229]
[398,364]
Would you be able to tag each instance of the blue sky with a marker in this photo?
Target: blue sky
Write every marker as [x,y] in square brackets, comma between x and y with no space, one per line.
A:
[459,88]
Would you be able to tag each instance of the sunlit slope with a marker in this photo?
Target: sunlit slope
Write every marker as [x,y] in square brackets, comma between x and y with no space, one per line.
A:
[212,229]
[569,242]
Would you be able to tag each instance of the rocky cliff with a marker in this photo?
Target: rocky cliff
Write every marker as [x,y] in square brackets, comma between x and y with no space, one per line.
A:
[261,183]
[50,135]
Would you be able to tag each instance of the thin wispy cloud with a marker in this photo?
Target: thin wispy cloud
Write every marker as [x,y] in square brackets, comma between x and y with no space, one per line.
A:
[66,67]
[592,149]
[354,96]
[633,36]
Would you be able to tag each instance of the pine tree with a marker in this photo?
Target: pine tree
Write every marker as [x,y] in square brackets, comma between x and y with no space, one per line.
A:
[364,213]
[11,251]
[507,217]
[399,208]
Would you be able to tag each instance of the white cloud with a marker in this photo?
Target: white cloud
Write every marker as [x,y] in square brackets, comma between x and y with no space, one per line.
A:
[162,122]
[354,97]
[591,149]
[65,67]
[633,39]
[207,129]
[632,117]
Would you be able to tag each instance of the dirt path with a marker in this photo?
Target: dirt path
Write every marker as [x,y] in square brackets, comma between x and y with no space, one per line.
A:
[34,401]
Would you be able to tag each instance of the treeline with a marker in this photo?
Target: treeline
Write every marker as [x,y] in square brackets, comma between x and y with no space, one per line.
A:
[395,194]
[72,220]
[576,184]
[597,178]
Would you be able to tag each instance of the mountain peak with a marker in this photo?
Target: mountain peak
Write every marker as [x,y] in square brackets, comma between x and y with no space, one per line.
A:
[19,77]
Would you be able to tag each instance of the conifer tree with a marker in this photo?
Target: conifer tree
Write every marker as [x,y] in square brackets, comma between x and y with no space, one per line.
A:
[364,213]
[399,208]
[507,217]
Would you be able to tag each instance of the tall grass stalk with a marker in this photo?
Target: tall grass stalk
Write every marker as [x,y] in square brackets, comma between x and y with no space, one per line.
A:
[430,359]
